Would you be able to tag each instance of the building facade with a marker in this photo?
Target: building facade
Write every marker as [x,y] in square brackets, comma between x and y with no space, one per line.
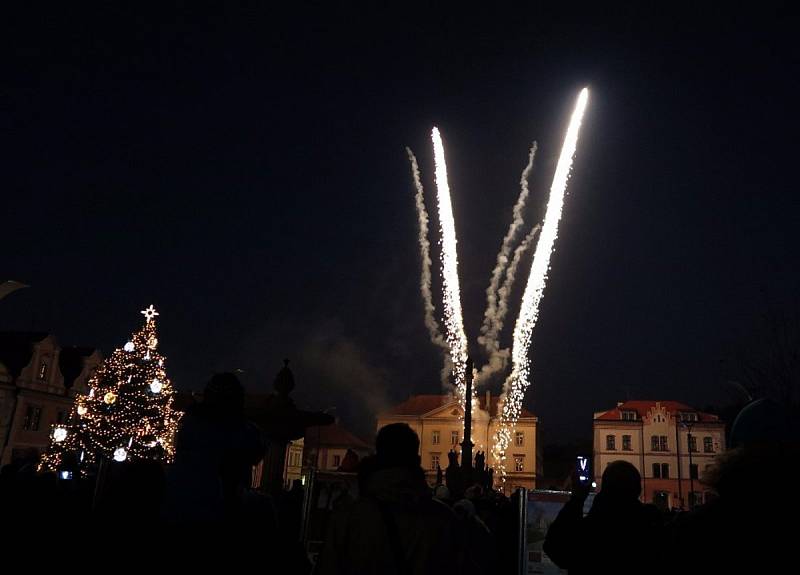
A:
[324,448]
[39,380]
[670,443]
[438,420]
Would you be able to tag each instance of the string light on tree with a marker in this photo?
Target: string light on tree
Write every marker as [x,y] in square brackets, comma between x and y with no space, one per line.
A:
[127,414]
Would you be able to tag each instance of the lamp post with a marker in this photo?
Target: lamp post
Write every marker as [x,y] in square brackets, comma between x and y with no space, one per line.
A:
[688,426]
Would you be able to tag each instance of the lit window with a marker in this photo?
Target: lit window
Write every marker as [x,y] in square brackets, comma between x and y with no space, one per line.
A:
[519,438]
[42,369]
[454,438]
[434,461]
[626,443]
[519,463]
[435,437]
[611,443]
[708,444]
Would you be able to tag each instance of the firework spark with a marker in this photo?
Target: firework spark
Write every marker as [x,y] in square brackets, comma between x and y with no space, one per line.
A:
[518,380]
[456,338]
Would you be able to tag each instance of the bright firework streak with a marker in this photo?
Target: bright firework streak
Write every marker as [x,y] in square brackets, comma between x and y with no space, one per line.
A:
[518,380]
[456,338]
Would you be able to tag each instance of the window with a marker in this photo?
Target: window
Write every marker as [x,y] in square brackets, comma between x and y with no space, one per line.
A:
[519,438]
[434,461]
[626,443]
[454,438]
[42,369]
[611,443]
[658,443]
[693,471]
[337,460]
[656,470]
[665,471]
[692,443]
[629,416]
[32,417]
[519,463]
[687,416]
[435,437]
[708,444]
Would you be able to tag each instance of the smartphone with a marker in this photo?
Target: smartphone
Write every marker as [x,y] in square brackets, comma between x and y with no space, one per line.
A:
[583,470]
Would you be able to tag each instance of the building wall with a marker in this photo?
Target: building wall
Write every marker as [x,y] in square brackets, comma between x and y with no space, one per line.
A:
[30,392]
[447,423]
[676,457]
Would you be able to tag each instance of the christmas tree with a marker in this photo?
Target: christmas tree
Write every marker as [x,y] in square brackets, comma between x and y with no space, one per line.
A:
[127,414]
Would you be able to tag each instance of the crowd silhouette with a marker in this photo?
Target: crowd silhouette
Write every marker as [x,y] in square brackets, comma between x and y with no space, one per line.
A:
[202,507]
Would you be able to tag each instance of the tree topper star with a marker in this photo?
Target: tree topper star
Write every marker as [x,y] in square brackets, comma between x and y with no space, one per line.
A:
[149,313]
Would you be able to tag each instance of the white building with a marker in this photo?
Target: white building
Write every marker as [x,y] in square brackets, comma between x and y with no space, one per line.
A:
[670,443]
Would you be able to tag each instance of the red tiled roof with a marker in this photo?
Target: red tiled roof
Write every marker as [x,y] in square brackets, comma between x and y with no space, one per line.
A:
[641,407]
[334,436]
[422,404]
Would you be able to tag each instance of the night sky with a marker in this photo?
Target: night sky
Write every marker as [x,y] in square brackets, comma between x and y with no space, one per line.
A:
[243,169]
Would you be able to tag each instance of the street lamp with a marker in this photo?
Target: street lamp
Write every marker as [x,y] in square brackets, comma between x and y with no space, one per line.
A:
[688,426]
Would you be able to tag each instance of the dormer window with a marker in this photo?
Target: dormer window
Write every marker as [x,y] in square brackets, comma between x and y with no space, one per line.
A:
[628,415]
[42,369]
[687,416]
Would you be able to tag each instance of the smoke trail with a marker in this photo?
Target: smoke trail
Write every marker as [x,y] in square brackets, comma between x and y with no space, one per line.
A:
[425,256]
[498,358]
[456,338]
[490,328]
[517,382]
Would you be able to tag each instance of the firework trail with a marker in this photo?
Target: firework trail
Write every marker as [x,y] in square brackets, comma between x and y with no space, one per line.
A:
[490,329]
[498,358]
[425,255]
[517,382]
[456,338]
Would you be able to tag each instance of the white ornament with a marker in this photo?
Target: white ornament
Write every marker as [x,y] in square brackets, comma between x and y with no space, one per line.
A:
[129,346]
[149,313]
[147,356]
[59,434]
[120,454]
[156,386]
[82,410]
[152,342]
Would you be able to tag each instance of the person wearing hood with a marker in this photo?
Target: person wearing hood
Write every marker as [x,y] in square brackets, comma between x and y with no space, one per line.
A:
[395,526]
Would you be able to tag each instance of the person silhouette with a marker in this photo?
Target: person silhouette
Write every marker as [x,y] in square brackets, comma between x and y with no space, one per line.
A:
[395,526]
[617,522]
